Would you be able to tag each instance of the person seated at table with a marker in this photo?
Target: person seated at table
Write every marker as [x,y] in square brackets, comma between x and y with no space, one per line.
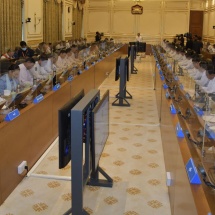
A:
[210,88]
[9,81]
[74,52]
[38,70]
[204,79]
[197,71]
[8,55]
[16,50]
[26,76]
[39,49]
[187,64]
[69,58]
[61,61]
[25,51]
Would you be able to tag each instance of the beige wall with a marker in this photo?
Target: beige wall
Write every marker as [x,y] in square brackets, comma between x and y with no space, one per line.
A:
[160,19]
[209,21]
[33,31]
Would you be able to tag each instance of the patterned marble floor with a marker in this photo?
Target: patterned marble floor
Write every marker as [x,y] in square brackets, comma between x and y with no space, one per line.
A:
[133,157]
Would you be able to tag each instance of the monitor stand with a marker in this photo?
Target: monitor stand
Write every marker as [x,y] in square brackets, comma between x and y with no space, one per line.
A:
[95,181]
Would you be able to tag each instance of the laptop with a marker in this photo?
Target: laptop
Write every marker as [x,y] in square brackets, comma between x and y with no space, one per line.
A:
[38,89]
[19,98]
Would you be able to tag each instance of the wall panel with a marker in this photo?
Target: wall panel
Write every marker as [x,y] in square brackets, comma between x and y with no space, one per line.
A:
[205,24]
[175,23]
[34,29]
[211,23]
[123,23]
[99,21]
[152,27]
[154,24]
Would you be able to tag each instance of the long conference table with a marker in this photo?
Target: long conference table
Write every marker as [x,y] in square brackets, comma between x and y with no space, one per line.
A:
[28,136]
[185,198]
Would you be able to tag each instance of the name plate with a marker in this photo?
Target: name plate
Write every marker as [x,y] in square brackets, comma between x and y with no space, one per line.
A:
[160,72]
[38,99]
[93,63]
[162,78]
[56,87]
[179,131]
[172,109]
[198,111]
[12,115]
[209,132]
[86,68]
[70,78]
[181,86]
[192,172]
[165,86]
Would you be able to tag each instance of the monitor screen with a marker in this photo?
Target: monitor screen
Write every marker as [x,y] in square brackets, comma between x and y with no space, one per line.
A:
[117,72]
[100,117]
[64,128]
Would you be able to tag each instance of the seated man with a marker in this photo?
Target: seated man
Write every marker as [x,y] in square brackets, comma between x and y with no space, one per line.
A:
[38,70]
[26,77]
[9,81]
[8,55]
[25,51]
[69,58]
[204,79]
[197,71]
[61,61]
[210,88]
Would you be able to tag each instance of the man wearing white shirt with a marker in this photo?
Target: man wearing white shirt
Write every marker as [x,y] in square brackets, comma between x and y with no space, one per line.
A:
[25,76]
[69,57]
[38,70]
[61,61]
[139,38]
[204,79]
[196,72]
[210,88]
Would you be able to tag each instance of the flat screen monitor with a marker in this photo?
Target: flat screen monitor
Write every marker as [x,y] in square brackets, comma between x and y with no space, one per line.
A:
[127,69]
[19,98]
[117,72]
[100,128]
[64,128]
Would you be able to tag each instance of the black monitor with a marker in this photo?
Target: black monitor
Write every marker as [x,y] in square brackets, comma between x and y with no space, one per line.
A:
[64,128]
[117,72]
[100,128]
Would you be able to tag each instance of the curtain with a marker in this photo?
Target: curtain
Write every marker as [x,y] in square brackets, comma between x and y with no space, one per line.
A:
[78,18]
[52,21]
[10,24]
